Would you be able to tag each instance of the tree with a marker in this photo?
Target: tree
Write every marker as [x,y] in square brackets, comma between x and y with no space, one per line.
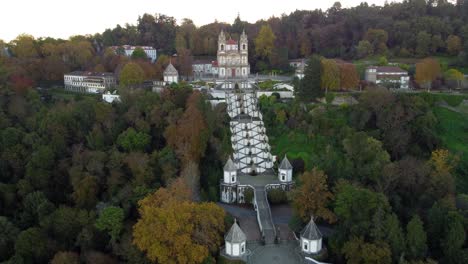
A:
[416,239]
[394,235]
[8,234]
[427,71]
[31,245]
[454,238]
[265,42]
[454,45]
[65,257]
[85,192]
[309,87]
[378,39]
[131,140]
[367,156]
[357,251]
[355,208]
[330,78]
[131,75]
[312,196]
[111,220]
[423,44]
[442,182]
[349,78]
[364,49]
[139,53]
[454,75]
[24,47]
[172,229]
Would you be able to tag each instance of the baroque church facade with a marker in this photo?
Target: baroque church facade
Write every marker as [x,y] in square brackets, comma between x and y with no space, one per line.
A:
[233,57]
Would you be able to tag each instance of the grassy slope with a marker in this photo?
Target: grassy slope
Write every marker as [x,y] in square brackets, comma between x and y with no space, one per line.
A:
[453,131]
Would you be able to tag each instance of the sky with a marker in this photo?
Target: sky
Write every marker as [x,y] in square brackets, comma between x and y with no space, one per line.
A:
[65,18]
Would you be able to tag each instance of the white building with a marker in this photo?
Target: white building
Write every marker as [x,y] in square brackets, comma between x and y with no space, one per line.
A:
[230,172]
[171,75]
[128,50]
[202,68]
[89,82]
[311,238]
[299,66]
[233,57]
[235,241]
[388,76]
[111,97]
[285,170]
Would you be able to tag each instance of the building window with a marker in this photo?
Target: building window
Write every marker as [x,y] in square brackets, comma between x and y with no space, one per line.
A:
[243,46]
[282,176]
[242,248]
[306,246]
[233,179]
[222,47]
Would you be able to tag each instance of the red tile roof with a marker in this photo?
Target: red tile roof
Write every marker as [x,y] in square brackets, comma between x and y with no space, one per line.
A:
[231,42]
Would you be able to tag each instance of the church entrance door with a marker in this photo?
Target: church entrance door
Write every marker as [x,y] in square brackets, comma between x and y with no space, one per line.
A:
[233,72]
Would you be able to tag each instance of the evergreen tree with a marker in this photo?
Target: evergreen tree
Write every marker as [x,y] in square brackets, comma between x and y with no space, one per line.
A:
[416,239]
[309,87]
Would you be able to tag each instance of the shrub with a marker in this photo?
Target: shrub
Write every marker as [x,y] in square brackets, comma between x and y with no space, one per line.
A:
[248,195]
[277,196]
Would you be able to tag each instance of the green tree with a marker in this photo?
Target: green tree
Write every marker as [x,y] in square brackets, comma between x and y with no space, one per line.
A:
[111,220]
[131,140]
[367,157]
[453,239]
[31,245]
[330,79]
[139,53]
[355,208]
[265,42]
[131,75]
[364,49]
[423,44]
[8,234]
[309,87]
[416,238]
[394,235]
[378,39]
[24,46]
[357,251]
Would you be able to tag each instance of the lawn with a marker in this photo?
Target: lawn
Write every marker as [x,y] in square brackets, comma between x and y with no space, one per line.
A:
[453,131]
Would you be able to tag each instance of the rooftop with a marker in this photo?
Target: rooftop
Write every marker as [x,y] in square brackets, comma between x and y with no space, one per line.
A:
[170,69]
[230,166]
[311,231]
[285,164]
[130,47]
[231,42]
[392,69]
[90,74]
[235,234]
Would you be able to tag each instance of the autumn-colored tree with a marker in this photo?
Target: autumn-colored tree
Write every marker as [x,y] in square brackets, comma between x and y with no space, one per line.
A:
[349,78]
[184,62]
[312,197]
[357,251]
[172,229]
[85,191]
[24,46]
[427,71]
[441,179]
[265,42]
[65,257]
[454,44]
[330,78]
[131,75]
[189,134]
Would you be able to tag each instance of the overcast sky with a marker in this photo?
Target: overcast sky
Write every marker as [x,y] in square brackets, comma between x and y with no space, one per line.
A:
[64,18]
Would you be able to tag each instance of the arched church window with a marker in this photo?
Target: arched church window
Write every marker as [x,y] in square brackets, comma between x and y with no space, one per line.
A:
[222,47]
[243,46]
